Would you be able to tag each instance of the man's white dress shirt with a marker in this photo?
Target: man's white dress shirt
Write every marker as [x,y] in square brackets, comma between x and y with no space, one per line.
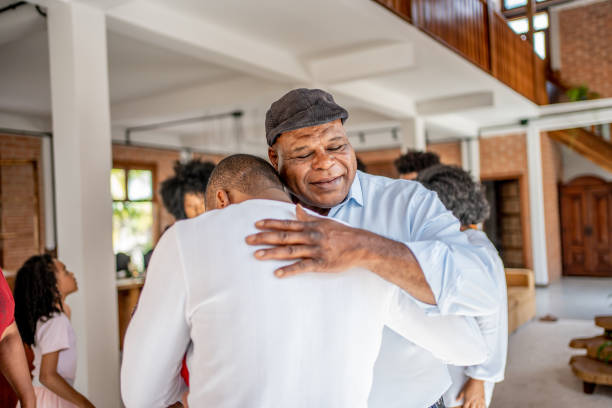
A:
[494,328]
[254,340]
[405,375]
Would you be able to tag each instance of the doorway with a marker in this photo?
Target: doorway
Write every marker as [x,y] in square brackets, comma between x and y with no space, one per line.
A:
[586,227]
[505,224]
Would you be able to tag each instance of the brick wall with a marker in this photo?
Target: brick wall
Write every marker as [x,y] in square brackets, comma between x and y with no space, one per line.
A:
[552,169]
[450,153]
[505,157]
[22,227]
[163,160]
[586,46]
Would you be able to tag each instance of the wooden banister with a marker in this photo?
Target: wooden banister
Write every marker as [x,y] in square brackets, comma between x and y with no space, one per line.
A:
[473,29]
[587,144]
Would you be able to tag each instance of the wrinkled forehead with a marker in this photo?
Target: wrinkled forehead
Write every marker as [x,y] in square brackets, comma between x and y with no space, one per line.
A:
[312,135]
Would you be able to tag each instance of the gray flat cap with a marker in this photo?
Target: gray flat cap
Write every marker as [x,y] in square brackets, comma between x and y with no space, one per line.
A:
[301,108]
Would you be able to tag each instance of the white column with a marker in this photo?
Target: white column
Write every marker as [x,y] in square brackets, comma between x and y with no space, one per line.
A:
[474,157]
[413,134]
[465,155]
[47,173]
[82,148]
[536,205]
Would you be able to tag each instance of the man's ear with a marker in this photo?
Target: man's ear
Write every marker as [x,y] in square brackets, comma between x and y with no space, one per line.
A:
[222,199]
[273,156]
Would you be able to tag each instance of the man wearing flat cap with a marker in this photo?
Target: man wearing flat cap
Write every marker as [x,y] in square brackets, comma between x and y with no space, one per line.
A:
[400,231]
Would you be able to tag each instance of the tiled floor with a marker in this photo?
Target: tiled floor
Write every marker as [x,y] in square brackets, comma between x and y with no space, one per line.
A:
[575,298]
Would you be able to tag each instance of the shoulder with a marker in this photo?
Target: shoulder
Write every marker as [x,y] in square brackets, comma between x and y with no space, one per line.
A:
[51,325]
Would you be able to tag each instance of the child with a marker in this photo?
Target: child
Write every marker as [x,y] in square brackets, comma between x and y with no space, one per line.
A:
[41,287]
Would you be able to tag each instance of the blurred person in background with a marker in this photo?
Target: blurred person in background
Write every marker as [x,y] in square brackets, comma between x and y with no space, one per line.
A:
[472,386]
[410,164]
[13,362]
[183,194]
[43,319]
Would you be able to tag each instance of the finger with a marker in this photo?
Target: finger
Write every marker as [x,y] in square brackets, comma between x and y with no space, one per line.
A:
[302,215]
[460,396]
[282,238]
[306,265]
[287,252]
[286,225]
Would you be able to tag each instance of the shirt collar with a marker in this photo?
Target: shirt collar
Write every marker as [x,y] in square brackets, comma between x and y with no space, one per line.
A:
[355,193]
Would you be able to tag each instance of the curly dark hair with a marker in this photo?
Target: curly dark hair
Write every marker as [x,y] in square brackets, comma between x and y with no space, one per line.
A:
[190,177]
[459,193]
[415,161]
[36,295]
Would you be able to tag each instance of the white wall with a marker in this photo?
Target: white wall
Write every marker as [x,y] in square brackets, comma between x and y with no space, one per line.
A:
[19,121]
[575,165]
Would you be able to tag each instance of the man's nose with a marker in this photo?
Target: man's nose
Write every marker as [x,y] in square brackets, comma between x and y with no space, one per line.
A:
[323,160]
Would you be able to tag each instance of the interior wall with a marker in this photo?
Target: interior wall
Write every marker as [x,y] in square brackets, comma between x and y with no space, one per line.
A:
[450,153]
[585,45]
[576,165]
[18,220]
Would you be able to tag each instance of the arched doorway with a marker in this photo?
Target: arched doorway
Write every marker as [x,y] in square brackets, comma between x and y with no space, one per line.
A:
[586,227]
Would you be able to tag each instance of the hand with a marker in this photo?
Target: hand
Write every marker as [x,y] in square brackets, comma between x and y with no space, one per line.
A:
[473,394]
[321,245]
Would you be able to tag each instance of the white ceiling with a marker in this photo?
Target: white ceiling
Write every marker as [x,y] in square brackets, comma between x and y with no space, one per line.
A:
[173,59]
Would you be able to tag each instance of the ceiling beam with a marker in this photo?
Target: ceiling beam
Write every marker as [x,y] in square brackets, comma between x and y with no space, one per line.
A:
[205,40]
[363,63]
[221,96]
[455,103]
[375,98]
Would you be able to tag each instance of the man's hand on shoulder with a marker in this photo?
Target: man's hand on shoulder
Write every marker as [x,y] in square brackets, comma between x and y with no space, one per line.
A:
[319,244]
[323,245]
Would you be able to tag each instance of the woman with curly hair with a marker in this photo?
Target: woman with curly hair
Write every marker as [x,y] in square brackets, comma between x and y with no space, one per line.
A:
[472,387]
[183,194]
[43,319]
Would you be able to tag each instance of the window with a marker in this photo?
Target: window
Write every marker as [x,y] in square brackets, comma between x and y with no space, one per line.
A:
[512,4]
[540,26]
[132,189]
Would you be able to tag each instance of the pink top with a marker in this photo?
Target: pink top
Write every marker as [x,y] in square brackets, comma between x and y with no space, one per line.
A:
[55,334]
[7,305]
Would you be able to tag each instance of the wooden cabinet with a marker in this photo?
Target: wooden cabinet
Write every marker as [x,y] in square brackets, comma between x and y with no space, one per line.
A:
[586,226]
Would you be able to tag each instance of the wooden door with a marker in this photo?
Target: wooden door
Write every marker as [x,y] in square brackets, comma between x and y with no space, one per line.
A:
[586,227]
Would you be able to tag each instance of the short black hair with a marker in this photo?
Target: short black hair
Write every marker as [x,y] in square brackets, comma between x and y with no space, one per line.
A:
[459,193]
[190,177]
[415,161]
[243,172]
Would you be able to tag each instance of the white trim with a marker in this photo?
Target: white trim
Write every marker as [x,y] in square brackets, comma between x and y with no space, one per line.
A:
[488,132]
[536,205]
[575,119]
[580,106]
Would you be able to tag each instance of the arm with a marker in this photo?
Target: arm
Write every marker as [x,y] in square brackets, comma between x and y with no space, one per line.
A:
[158,334]
[14,366]
[325,245]
[56,383]
[453,339]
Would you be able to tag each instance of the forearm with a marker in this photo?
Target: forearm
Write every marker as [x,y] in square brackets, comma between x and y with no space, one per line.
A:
[56,383]
[394,262]
[14,366]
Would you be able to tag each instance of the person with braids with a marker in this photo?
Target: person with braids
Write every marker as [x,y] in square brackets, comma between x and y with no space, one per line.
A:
[410,164]
[13,363]
[183,194]
[472,386]
[43,319]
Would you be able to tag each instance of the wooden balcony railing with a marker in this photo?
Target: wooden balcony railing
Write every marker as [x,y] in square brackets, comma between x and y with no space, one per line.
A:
[473,29]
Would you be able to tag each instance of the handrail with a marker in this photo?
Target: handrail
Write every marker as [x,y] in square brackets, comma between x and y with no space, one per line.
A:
[473,29]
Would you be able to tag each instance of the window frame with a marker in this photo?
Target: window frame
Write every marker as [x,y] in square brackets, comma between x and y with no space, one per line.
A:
[135,165]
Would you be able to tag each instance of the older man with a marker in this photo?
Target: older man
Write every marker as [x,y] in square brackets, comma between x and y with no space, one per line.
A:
[402,232]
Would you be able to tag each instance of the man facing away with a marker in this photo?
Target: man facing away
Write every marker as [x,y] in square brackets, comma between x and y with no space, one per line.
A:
[256,340]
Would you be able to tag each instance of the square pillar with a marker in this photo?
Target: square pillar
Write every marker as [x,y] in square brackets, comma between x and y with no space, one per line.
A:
[82,163]
[536,205]
[413,134]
